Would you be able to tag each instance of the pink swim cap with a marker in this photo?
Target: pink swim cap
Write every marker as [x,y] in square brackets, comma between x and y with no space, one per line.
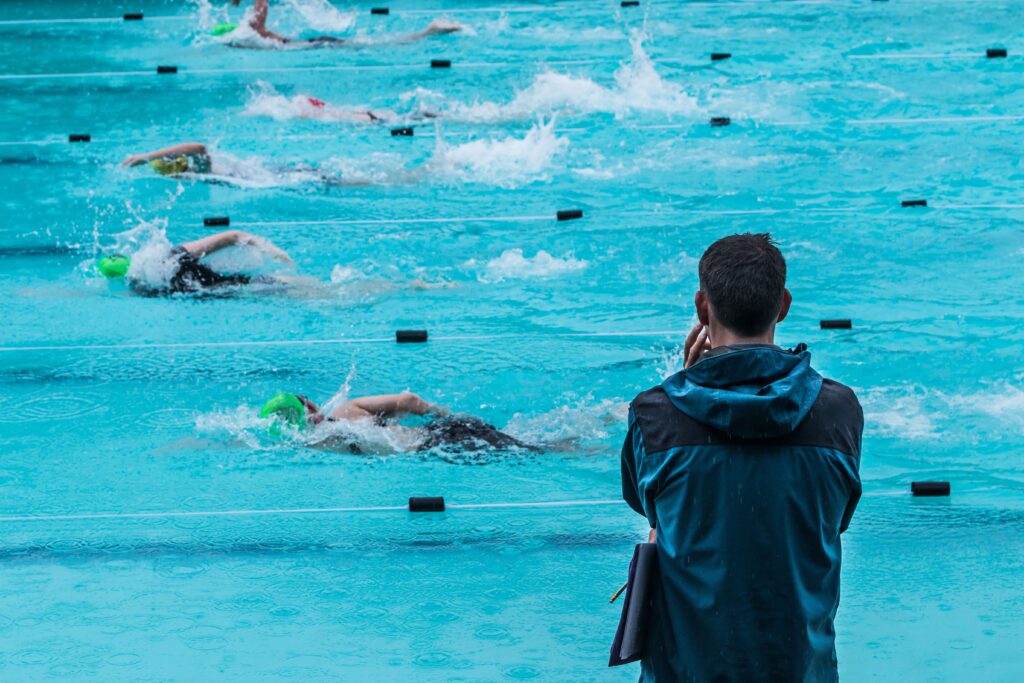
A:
[316,103]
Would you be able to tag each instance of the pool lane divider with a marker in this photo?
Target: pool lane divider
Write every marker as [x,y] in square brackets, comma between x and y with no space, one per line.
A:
[542,9]
[441,63]
[929,488]
[990,53]
[1010,118]
[342,341]
[410,336]
[434,64]
[426,504]
[934,488]
[308,511]
[560,216]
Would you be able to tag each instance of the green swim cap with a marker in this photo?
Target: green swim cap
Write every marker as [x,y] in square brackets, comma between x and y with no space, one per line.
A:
[221,29]
[170,166]
[114,265]
[284,407]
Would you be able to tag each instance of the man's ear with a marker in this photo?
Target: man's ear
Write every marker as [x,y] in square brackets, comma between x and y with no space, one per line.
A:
[700,302]
[787,299]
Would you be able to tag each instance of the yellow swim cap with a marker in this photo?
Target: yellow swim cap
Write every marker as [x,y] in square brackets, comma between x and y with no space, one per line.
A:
[170,166]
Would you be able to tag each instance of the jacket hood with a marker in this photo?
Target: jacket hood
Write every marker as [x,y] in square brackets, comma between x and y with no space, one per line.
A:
[750,392]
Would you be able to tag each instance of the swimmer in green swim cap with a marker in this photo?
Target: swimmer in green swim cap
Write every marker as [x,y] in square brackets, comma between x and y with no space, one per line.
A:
[115,265]
[445,431]
[258,23]
[188,275]
[223,29]
[190,157]
[284,409]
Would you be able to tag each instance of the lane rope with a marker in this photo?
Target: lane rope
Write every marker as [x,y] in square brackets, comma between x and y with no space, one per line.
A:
[599,502]
[327,342]
[305,69]
[430,133]
[511,9]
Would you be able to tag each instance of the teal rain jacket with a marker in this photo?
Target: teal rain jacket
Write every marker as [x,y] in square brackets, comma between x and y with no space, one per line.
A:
[747,464]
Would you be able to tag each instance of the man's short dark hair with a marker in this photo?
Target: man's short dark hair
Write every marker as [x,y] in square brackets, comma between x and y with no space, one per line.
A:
[744,277]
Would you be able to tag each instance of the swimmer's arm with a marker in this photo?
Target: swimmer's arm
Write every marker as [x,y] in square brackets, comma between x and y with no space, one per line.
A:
[436,27]
[260,8]
[188,149]
[229,238]
[386,405]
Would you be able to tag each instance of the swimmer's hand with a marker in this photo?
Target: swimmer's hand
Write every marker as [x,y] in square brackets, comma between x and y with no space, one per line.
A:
[437,411]
[265,245]
[135,160]
[440,27]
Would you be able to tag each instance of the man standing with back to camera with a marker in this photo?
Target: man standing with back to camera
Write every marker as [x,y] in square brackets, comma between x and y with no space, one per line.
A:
[745,464]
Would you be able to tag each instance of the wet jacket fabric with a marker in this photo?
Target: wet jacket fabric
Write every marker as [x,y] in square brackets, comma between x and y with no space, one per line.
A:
[747,465]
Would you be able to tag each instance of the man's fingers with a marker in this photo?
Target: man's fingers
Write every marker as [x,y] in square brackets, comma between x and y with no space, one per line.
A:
[700,345]
[691,338]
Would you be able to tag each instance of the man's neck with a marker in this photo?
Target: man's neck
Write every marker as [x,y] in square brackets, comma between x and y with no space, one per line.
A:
[723,337]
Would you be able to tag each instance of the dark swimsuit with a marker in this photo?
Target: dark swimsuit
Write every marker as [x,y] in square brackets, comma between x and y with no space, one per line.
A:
[193,276]
[463,433]
[468,433]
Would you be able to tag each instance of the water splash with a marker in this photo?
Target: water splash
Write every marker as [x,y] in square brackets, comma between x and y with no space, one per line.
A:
[321,15]
[506,162]
[265,100]
[573,425]
[637,88]
[287,16]
[670,361]
[513,265]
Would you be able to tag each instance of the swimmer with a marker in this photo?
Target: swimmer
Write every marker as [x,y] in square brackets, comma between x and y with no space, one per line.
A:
[313,108]
[194,159]
[185,273]
[258,23]
[189,157]
[442,430]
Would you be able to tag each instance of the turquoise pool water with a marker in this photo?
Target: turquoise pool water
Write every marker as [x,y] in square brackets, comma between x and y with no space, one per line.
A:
[118,404]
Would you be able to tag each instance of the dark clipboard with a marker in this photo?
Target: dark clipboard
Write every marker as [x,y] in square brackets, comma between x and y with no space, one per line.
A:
[631,635]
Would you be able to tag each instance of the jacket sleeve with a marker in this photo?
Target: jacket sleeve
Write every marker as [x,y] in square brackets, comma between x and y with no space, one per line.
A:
[855,485]
[632,459]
